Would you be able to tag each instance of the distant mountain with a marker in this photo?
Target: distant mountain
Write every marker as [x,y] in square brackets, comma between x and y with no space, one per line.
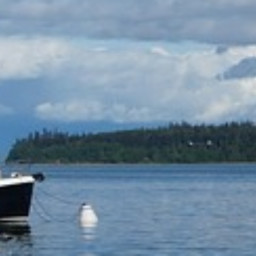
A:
[246,68]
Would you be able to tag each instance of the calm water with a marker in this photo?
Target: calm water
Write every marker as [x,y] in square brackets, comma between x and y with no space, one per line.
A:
[187,210]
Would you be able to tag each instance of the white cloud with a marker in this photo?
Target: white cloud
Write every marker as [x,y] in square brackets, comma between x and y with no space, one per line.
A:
[134,85]
[234,101]
[97,80]
[71,111]
[217,110]
[91,111]
[30,57]
[160,50]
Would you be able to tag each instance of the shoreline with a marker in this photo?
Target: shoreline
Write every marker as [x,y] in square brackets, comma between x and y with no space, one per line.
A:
[128,164]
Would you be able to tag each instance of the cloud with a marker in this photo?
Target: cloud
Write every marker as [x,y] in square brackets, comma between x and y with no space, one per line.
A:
[91,111]
[161,51]
[81,80]
[236,103]
[131,85]
[29,57]
[169,20]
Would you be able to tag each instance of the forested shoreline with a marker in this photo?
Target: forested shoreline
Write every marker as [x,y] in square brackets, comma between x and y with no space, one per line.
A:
[175,143]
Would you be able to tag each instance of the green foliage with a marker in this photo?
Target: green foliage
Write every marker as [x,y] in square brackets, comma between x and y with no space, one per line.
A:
[177,143]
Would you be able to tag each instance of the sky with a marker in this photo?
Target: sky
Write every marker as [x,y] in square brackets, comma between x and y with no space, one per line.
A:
[96,65]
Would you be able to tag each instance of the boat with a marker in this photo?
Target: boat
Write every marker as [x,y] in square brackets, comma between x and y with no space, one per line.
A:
[16,196]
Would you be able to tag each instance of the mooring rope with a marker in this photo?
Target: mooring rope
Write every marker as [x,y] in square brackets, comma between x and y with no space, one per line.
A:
[43,215]
[46,216]
[57,198]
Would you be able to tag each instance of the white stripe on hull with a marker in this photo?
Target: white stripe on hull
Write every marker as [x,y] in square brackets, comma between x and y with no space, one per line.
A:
[16,181]
[14,219]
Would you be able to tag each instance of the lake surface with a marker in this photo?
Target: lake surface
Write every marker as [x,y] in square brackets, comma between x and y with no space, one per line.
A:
[191,210]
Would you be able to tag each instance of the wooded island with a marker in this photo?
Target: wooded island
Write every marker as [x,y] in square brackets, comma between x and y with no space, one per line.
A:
[175,143]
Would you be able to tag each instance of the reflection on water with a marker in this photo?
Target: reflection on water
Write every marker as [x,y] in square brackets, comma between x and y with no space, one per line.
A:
[15,239]
[15,229]
[89,237]
[89,233]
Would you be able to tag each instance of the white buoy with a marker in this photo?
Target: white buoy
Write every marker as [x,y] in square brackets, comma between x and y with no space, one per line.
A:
[88,217]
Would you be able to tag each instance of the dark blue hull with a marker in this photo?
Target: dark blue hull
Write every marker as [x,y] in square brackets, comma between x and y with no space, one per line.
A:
[15,201]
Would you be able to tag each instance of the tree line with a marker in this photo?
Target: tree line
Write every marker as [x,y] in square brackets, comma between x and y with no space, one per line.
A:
[174,143]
